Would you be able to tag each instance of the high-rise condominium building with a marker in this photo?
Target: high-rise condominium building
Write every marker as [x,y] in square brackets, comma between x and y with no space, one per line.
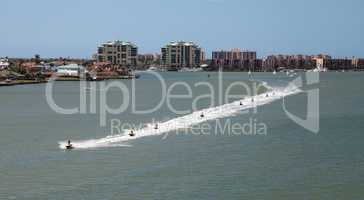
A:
[118,53]
[177,55]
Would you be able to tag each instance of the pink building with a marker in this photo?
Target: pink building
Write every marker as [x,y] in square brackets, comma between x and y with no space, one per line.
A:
[234,59]
[274,62]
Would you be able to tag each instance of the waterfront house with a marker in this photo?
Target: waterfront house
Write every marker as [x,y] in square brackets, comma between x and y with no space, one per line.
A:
[32,67]
[4,63]
[71,70]
[28,66]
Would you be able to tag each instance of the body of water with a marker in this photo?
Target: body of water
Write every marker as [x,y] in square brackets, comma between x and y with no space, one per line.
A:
[286,162]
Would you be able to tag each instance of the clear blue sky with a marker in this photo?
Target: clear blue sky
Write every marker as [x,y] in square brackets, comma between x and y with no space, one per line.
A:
[75,27]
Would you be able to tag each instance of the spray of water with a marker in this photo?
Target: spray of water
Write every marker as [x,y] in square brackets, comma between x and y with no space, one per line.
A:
[223,111]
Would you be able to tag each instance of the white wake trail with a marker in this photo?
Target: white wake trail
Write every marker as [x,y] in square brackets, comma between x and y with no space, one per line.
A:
[186,121]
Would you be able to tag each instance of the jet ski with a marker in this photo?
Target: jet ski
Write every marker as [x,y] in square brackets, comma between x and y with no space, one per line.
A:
[202,115]
[131,134]
[156,126]
[69,145]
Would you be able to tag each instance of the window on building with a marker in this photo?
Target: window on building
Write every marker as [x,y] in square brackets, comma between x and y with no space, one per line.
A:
[134,51]
[173,59]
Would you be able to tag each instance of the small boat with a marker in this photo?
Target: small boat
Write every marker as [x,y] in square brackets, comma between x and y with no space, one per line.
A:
[155,69]
[241,103]
[186,69]
[152,69]
[156,126]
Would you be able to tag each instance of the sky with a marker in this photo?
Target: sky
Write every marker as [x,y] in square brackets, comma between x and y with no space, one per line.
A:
[74,28]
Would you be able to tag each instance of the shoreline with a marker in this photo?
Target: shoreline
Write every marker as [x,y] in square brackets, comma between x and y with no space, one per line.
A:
[65,79]
[103,78]
[21,82]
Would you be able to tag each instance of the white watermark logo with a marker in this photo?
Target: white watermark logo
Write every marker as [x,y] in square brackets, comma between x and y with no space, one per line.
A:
[312,121]
[223,102]
[217,127]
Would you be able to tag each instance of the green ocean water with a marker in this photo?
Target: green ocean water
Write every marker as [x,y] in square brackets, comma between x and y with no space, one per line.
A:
[289,162]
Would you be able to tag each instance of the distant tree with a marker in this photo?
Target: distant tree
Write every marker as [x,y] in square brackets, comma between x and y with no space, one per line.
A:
[28,76]
[37,58]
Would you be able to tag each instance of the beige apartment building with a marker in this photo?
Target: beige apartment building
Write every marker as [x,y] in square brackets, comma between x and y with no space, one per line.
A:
[118,53]
[177,55]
